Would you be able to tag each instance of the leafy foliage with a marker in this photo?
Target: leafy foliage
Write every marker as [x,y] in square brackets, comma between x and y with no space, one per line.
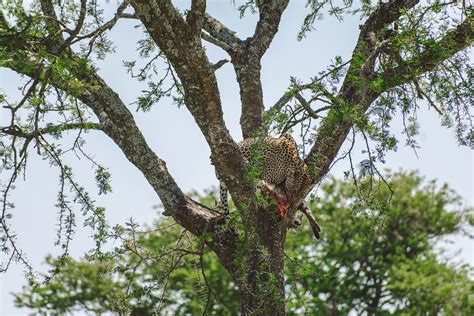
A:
[374,257]
[408,54]
[50,106]
[367,243]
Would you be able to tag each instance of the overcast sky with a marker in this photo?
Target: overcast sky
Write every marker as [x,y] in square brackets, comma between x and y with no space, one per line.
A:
[173,134]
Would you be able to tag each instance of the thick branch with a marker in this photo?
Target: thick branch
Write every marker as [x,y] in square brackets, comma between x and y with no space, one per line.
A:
[386,13]
[222,34]
[267,26]
[354,93]
[118,123]
[247,66]
[195,17]
[247,70]
[54,27]
[359,94]
[183,48]
[246,58]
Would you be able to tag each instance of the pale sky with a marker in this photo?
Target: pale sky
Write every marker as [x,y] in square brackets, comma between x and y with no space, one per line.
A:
[173,134]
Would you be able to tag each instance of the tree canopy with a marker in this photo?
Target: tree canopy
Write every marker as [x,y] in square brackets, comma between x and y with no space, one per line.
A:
[409,53]
[369,261]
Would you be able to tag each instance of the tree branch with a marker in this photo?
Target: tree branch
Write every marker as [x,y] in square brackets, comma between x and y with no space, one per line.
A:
[54,27]
[183,48]
[454,41]
[80,23]
[306,105]
[109,24]
[247,65]
[354,93]
[385,14]
[214,41]
[221,34]
[246,58]
[50,129]
[267,26]
[195,17]
[118,123]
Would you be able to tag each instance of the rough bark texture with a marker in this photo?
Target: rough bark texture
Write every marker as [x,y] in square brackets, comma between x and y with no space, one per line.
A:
[182,46]
[330,136]
[259,263]
[246,57]
[255,258]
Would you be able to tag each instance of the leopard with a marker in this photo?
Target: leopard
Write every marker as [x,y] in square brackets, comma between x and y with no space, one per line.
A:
[278,164]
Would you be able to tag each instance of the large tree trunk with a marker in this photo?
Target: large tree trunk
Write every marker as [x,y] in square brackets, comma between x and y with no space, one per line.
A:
[259,264]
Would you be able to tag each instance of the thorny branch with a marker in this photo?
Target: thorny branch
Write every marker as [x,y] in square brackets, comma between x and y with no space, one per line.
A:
[180,41]
[115,121]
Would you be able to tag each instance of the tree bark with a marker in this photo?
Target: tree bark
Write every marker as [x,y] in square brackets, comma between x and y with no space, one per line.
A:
[181,43]
[260,263]
[246,57]
[253,256]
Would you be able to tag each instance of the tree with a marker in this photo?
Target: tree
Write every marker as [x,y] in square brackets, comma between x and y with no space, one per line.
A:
[393,266]
[406,51]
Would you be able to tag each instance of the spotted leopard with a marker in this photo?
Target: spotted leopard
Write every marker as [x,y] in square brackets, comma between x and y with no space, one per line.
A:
[278,163]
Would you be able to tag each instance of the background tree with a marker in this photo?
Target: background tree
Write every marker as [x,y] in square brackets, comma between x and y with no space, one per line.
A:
[377,261]
[406,51]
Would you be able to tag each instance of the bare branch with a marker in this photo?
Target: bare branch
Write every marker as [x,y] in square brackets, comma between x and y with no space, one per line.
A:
[246,56]
[221,33]
[267,26]
[195,17]
[315,84]
[214,41]
[80,23]
[219,64]
[315,227]
[247,64]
